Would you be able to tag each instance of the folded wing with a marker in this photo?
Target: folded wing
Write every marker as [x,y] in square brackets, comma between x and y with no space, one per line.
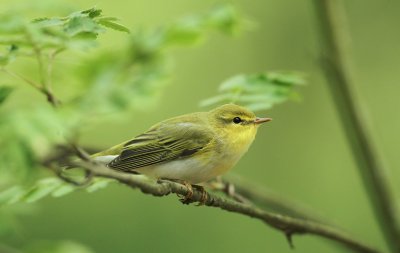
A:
[162,143]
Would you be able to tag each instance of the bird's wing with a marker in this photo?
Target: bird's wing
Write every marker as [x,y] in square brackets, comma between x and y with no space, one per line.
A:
[162,143]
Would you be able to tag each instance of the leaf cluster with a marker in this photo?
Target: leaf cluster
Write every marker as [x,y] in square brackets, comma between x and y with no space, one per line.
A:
[111,81]
[131,77]
[78,30]
[51,186]
[134,76]
[258,91]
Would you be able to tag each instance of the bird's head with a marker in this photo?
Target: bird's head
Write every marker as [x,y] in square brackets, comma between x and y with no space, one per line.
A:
[236,122]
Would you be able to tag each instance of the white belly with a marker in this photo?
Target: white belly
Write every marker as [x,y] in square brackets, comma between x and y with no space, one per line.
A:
[190,169]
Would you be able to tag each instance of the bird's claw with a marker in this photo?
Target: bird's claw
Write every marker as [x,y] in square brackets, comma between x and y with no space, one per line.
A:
[188,198]
[204,196]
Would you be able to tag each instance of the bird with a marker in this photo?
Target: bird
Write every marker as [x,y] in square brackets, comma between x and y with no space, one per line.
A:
[191,149]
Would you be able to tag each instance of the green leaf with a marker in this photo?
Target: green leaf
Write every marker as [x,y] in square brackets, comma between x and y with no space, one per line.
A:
[225,18]
[11,195]
[9,56]
[135,76]
[81,24]
[257,91]
[187,31]
[107,19]
[63,190]
[43,188]
[5,92]
[92,12]
[219,99]
[259,106]
[113,25]
[48,22]
[54,187]
[97,184]
[11,23]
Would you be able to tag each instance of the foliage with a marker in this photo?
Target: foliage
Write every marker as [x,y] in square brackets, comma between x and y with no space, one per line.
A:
[111,81]
[257,91]
[51,186]
[52,35]
[131,77]
[118,80]
[140,70]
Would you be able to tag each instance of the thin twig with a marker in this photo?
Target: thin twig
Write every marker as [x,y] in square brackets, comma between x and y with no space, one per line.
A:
[44,74]
[265,198]
[339,72]
[49,95]
[288,225]
[22,78]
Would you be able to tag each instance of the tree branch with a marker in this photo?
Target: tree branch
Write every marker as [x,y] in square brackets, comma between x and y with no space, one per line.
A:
[269,200]
[338,70]
[288,225]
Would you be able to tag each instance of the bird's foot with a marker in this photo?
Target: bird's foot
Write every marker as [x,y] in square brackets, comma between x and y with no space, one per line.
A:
[204,195]
[188,198]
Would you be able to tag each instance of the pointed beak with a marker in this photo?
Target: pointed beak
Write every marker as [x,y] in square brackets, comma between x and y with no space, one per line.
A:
[258,121]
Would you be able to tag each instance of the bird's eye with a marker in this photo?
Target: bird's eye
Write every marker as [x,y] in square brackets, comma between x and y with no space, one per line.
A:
[237,120]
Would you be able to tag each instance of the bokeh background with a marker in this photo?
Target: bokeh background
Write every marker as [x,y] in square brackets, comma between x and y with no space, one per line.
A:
[302,155]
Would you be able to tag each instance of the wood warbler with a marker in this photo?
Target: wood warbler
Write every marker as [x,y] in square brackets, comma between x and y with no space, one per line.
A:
[192,148]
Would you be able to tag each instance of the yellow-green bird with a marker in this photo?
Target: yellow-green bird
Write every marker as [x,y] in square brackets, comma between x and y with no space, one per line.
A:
[192,148]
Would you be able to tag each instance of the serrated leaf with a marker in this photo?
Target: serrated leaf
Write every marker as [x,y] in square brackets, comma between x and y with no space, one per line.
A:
[287,78]
[92,12]
[81,24]
[107,19]
[113,25]
[48,22]
[257,91]
[5,92]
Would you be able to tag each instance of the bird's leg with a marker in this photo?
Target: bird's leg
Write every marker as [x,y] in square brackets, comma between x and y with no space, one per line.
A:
[184,199]
[204,195]
[188,198]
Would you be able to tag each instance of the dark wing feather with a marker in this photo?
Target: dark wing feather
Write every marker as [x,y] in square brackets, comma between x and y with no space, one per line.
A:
[164,142]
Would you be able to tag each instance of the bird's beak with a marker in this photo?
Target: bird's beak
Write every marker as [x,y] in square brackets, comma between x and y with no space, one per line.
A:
[261,120]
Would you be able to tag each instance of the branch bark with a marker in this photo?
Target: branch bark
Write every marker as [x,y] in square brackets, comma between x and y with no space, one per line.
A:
[338,69]
[288,225]
[272,201]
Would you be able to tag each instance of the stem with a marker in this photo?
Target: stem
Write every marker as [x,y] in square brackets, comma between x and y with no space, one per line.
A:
[270,200]
[45,75]
[338,70]
[22,78]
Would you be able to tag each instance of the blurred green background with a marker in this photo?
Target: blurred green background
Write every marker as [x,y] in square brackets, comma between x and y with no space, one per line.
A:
[302,155]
